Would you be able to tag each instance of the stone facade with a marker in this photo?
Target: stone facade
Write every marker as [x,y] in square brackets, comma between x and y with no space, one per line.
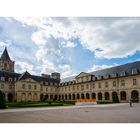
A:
[122,82]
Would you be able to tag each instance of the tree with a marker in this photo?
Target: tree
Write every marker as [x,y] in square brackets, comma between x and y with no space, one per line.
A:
[2,101]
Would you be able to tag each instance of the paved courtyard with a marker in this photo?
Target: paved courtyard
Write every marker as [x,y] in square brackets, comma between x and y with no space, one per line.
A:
[113,113]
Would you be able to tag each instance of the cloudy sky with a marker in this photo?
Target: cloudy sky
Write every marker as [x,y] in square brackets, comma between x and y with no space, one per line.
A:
[69,45]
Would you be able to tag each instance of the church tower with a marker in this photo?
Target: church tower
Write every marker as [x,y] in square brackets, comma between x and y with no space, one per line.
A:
[5,62]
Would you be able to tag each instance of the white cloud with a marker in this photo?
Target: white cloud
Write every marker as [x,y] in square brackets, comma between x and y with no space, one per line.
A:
[66,70]
[21,67]
[105,37]
[99,67]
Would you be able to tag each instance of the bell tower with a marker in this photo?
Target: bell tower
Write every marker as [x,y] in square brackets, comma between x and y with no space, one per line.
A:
[5,62]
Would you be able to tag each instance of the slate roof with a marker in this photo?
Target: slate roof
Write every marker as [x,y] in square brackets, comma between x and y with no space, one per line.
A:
[110,71]
[5,55]
[8,74]
[118,69]
[26,75]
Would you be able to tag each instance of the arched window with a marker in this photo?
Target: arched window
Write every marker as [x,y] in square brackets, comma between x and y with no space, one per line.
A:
[99,96]
[107,97]
[122,95]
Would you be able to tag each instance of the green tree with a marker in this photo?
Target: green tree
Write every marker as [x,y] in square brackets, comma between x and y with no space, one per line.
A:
[2,101]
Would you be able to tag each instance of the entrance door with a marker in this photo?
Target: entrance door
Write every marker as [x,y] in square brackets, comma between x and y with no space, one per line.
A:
[135,96]
[10,97]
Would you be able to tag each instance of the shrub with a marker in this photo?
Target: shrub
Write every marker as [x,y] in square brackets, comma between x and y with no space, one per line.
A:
[104,102]
[2,101]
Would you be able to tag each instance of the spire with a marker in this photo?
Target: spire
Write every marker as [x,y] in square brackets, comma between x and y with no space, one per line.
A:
[5,55]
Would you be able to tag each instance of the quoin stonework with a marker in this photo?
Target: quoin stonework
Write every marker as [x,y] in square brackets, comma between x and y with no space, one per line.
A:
[122,82]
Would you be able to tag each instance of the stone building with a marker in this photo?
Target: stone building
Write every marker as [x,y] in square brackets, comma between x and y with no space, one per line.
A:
[120,82]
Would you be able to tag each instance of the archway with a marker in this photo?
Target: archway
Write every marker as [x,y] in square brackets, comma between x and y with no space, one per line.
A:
[55,97]
[135,96]
[59,97]
[66,97]
[73,96]
[78,96]
[107,97]
[10,97]
[82,96]
[93,96]
[115,98]
[87,95]
[69,96]
[41,97]
[29,97]
[62,97]
[46,97]
[35,97]
[99,96]
[51,97]
[122,95]
[23,97]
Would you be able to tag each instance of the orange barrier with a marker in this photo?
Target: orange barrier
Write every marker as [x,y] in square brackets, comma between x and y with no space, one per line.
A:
[85,100]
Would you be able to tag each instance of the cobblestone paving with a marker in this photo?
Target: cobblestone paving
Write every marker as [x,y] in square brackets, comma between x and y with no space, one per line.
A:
[113,113]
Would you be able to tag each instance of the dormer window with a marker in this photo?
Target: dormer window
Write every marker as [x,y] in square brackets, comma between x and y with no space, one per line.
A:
[114,75]
[134,71]
[10,79]
[2,78]
[107,76]
[100,77]
[93,78]
[123,73]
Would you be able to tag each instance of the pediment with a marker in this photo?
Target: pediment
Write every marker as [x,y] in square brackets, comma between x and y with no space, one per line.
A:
[82,74]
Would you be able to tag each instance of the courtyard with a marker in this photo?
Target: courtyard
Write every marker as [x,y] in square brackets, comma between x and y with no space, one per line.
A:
[108,113]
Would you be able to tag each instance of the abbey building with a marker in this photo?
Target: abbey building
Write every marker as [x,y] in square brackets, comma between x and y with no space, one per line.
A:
[122,82]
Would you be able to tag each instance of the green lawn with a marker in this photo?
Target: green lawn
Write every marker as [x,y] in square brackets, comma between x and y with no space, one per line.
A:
[38,104]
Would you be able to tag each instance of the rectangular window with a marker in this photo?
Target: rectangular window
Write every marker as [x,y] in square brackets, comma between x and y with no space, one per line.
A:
[122,83]
[87,86]
[10,86]
[134,82]
[73,87]
[114,83]
[29,86]
[106,84]
[2,86]
[69,88]
[46,89]
[35,87]
[82,87]
[93,85]
[23,86]
[99,85]
[78,87]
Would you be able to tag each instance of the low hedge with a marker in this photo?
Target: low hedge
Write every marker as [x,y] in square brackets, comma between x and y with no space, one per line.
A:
[104,102]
